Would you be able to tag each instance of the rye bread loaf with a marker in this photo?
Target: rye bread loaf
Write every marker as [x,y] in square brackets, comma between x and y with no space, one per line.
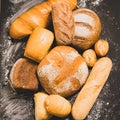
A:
[23,75]
[63,22]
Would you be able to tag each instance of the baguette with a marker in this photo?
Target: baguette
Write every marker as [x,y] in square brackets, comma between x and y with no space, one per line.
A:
[39,15]
[90,91]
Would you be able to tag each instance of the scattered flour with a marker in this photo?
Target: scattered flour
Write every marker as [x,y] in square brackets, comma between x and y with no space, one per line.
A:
[45,71]
[71,57]
[83,3]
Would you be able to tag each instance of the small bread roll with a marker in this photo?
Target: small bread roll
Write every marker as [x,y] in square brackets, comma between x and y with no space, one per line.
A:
[90,57]
[63,23]
[63,71]
[23,75]
[40,110]
[101,47]
[57,105]
[87,28]
[39,44]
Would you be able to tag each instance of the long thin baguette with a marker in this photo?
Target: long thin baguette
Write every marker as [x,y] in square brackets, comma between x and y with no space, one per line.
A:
[90,91]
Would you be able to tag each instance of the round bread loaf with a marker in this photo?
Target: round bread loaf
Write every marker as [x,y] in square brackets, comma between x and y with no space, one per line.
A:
[87,28]
[23,75]
[63,71]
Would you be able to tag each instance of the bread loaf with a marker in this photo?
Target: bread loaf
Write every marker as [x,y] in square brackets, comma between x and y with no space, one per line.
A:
[63,23]
[38,44]
[23,75]
[92,88]
[63,71]
[87,28]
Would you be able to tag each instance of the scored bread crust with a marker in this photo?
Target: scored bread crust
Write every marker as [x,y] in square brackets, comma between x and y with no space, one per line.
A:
[87,28]
[63,22]
[63,71]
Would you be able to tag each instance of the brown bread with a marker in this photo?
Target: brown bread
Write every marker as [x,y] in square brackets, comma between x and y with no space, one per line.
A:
[63,71]
[63,23]
[23,75]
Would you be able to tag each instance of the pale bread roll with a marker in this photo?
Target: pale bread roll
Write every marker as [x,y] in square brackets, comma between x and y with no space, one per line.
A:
[39,44]
[57,105]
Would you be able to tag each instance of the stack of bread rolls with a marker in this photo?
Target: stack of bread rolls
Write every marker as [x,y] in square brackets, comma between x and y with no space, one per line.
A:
[67,59]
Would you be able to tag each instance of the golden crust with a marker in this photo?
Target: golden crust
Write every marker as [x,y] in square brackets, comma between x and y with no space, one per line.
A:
[63,71]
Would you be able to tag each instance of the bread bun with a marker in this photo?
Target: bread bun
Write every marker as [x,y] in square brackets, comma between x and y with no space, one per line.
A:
[63,71]
[38,44]
[23,75]
[57,105]
[87,28]
[63,22]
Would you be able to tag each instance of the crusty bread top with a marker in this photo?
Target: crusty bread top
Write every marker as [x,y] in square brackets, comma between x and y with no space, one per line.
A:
[87,28]
[63,71]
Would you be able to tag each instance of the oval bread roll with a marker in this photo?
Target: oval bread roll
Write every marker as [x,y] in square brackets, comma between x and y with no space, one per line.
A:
[90,57]
[63,71]
[101,47]
[39,44]
[57,105]
[87,28]
[92,88]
